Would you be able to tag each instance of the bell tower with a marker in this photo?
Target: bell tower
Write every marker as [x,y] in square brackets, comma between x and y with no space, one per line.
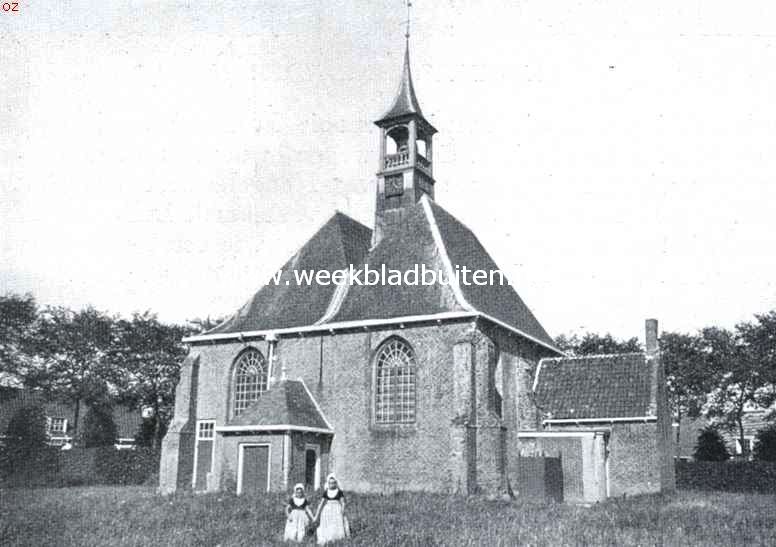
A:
[406,156]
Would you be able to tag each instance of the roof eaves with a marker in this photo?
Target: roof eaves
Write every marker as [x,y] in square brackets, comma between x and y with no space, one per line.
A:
[593,356]
[521,333]
[599,420]
[327,327]
[279,427]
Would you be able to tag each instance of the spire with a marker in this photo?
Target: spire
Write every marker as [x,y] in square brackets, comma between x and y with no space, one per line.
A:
[406,102]
[405,172]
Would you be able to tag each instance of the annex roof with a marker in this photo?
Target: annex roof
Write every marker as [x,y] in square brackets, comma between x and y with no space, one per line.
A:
[597,387]
[286,405]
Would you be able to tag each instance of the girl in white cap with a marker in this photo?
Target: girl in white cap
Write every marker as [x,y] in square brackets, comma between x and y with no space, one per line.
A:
[332,523]
[298,515]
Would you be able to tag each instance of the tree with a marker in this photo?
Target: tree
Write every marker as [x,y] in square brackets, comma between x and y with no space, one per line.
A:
[687,377]
[760,336]
[711,447]
[99,428]
[199,325]
[765,444]
[74,348]
[17,315]
[595,344]
[739,374]
[147,433]
[150,355]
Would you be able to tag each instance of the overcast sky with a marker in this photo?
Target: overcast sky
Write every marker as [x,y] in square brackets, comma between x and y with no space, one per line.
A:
[615,157]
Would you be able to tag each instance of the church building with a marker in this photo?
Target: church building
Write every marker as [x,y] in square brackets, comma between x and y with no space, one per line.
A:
[389,386]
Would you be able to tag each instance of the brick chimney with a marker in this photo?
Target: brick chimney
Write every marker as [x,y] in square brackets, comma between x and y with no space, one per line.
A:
[651,336]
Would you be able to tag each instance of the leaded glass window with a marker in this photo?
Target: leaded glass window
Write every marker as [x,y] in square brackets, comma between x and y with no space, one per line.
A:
[395,383]
[250,380]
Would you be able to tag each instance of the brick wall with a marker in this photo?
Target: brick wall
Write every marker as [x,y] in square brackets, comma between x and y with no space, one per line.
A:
[339,371]
[665,441]
[634,459]
[230,455]
[368,456]
[459,442]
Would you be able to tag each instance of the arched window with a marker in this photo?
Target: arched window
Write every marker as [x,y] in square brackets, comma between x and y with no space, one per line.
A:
[395,383]
[250,380]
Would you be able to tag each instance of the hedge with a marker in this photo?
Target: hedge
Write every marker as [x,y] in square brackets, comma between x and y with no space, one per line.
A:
[126,466]
[81,467]
[729,476]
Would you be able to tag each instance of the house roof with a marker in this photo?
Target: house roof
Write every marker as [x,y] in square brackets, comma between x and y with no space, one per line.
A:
[597,387]
[429,236]
[127,419]
[287,404]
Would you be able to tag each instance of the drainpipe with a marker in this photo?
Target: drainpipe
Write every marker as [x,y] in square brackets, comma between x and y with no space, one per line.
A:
[272,340]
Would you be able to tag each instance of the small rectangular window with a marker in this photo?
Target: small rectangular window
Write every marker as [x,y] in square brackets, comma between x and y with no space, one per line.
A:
[57,426]
[206,430]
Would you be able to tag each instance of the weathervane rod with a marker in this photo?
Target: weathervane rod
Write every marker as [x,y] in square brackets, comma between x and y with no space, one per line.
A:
[407,34]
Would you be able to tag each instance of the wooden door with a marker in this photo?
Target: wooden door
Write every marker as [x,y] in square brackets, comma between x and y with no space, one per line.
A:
[310,462]
[255,469]
[204,463]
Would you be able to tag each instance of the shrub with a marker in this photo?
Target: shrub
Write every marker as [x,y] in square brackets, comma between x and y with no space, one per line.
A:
[26,452]
[711,446]
[765,444]
[99,427]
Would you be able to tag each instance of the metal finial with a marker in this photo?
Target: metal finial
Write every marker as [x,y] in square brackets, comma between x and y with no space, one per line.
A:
[407,33]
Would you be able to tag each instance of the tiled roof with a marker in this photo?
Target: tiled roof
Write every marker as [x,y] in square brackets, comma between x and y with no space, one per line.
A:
[286,403]
[498,301]
[428,236]
[127,420]
[403,247]
[597,387]
[340,242]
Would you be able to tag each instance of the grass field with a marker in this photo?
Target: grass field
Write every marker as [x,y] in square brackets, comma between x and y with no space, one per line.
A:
[137,516]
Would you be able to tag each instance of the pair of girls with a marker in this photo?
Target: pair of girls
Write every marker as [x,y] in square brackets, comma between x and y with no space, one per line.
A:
[330,516]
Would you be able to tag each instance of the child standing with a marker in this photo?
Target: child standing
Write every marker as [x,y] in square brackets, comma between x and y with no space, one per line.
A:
[298,515]
[332,522]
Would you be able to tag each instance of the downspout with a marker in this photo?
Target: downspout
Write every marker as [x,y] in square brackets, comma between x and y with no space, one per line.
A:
[272,340]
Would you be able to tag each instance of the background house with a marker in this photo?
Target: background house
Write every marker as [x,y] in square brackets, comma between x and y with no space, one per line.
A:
[686,433]
[60,416]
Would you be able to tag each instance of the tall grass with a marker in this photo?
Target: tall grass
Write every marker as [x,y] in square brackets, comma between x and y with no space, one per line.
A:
[137,516]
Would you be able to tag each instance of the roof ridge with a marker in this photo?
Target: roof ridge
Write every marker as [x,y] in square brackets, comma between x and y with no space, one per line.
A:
[315,402]
[592,356]
[444,256]
[339,293]
[339,214]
